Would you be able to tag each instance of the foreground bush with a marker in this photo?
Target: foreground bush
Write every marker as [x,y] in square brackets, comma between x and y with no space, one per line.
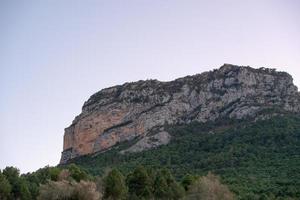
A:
[65,190]
[86,190]
[72,183]
[209,188]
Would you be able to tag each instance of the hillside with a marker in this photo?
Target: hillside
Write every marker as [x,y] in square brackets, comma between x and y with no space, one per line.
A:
[237,122]
[256,159]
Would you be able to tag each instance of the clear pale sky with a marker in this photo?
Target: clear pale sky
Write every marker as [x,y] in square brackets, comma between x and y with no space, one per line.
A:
[54,54]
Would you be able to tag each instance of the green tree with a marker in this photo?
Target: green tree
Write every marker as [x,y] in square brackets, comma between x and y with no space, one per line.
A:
[54,173]
[12,174]
[114,185]
[5,187]
[34,189]
[160,188]
[69,190]
[20,189]
[24,190]
[41,176]
[139,183]
[77,173]
[187,181]
[166,187]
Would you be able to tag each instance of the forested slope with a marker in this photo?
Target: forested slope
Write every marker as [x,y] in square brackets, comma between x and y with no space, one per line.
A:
[256,159]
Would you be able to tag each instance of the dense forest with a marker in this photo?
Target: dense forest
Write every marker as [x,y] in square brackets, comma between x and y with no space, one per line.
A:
[221,160]
[257,160]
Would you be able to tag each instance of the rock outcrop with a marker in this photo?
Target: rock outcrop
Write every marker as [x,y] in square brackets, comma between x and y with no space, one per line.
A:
[134,110]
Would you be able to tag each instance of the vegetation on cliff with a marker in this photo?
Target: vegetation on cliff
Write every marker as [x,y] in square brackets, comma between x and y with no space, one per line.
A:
[256,159]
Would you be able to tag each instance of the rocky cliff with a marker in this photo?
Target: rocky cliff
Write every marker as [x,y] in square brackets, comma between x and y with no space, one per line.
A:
[139,110]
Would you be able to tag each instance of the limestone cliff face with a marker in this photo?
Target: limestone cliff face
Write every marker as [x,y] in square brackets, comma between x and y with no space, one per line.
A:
[134,110]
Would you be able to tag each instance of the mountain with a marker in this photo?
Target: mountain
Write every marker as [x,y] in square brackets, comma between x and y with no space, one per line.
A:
[240,123]
[137,113]
[139,110]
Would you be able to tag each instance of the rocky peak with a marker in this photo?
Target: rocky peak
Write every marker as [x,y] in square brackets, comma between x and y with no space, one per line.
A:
[134,110]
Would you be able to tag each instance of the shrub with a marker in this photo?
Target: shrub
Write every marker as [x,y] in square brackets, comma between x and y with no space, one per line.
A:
[65,190]
[209,188]
[56,190]
[86,190]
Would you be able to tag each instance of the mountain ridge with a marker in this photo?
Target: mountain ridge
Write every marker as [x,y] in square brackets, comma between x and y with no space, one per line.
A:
[141,109]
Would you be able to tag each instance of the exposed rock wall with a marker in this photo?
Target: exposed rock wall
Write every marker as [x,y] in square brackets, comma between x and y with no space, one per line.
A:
[132,110]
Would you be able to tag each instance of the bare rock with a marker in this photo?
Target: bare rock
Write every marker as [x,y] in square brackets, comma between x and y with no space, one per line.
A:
[149,142]
[132,110]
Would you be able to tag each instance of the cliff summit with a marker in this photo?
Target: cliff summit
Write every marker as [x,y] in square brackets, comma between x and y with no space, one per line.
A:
[139,110]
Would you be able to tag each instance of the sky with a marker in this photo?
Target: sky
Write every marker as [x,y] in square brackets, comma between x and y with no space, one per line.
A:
[54,54]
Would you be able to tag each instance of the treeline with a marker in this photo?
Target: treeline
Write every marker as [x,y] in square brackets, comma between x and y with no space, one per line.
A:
[257,160]
[73,183]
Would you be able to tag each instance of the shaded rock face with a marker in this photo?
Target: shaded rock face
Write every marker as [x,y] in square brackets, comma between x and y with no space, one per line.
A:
[149,142]
[133,110]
